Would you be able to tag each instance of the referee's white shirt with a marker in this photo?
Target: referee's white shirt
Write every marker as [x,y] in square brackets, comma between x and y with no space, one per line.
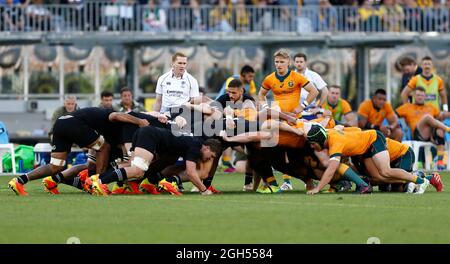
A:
[315,79]
[176,91]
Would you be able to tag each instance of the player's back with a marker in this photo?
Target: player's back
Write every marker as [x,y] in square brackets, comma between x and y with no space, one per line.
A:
[350,143]
[396,149]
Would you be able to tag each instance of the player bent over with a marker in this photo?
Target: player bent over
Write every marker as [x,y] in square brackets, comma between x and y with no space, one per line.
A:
[90,128]
[149,142]
[354,143]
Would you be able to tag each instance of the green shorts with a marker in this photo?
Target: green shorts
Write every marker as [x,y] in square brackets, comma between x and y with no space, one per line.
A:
[378,146]
[238,156]
[405,162]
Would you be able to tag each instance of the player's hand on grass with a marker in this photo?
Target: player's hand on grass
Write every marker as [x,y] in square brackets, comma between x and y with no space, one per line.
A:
[313,191]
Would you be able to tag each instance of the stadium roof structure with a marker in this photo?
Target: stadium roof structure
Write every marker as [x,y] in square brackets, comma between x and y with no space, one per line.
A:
[353,39]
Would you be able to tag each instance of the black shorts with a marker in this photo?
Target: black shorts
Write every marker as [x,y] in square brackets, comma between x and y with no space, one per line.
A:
[69,130]
[417,136]
[129,129]
[150,139]
[239,156]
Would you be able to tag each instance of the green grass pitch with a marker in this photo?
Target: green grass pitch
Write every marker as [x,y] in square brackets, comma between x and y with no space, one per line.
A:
[233,217]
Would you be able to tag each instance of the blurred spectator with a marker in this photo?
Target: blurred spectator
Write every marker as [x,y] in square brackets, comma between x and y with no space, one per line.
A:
[413,15]
[197,23]
[127,104]
[219,18]
[154,17]
[328,16]
[425,3]
[308,17]
[120,15]
[106,102]
[437,18]
[393,16]
[74,14]
[262,16]
[179,18]
[70,105]
[38,16]
[111,13]
[284,21]
[127,15]
[11,12]
[241,16]
[349,17]
[370,16]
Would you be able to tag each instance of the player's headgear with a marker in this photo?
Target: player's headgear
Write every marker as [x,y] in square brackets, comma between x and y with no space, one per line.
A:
[317,134]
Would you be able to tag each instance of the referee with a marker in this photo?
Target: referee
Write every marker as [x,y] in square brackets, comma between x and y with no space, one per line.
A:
[175,88]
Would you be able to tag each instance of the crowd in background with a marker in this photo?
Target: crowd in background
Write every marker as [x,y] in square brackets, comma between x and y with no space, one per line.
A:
[226,15]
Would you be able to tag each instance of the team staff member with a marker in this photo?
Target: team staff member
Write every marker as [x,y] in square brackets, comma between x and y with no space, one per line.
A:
[106,100]
[70,105]
[175,88]
[373,111]
[433,84]
[421,119]
[300,61]
[409,69]
[127,104]
[341,111]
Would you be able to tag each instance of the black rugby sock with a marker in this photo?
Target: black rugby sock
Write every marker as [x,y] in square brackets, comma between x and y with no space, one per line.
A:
[248,178]
[113,176]
[58,177]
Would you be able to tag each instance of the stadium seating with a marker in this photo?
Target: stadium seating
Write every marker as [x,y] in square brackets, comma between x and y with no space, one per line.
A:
[6,146]
[416,145]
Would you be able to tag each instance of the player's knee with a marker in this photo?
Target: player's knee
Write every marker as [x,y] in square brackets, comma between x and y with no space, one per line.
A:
[385,172]
[140,166]
[135,172]
[55,169]
[427,117]
[98,144]
[57,164]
